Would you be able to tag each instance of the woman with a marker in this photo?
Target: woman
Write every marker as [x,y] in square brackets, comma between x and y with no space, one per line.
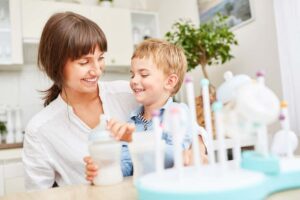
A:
[71,53]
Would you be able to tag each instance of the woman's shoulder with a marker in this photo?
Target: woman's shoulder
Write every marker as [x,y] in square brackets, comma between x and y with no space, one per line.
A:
[43,116]
[119,86]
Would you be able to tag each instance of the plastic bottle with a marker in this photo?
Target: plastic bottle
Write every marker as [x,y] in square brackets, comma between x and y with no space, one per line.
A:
[18,125]
[10,137]
[106,153]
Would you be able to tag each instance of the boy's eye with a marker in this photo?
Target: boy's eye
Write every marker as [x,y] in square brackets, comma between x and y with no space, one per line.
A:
[144,75]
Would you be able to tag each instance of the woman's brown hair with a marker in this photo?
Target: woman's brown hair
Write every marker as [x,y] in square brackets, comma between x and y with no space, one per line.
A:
[66,36]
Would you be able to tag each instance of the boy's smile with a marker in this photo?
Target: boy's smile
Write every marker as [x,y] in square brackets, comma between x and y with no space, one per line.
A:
[148,83]
[138,91]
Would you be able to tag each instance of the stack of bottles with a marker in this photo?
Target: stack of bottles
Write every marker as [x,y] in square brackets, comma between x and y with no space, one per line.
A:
[247,107]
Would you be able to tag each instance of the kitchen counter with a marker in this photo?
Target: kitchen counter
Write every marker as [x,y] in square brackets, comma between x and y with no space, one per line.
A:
[11,146]
[122,191]
[9,154]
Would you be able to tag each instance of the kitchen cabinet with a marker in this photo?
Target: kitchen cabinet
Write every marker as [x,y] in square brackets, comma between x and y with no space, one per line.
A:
[11,172]
[116,25]
[144,25]
[36,13]
[115,22]
[1,180]
[10,32]
[13,176]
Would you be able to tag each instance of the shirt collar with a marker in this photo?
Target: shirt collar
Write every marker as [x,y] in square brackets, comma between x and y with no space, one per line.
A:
[137,111]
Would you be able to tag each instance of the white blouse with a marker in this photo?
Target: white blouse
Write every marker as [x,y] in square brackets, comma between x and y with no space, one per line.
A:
[56,140]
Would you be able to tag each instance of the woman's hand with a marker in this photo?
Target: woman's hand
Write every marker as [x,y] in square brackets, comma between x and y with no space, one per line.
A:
[91,169]
[188,154]
[203,154]
[121,131]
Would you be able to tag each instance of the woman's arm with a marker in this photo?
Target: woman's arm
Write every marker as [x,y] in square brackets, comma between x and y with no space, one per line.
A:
[188,153]
[38,172]
[91,169]
[194,128]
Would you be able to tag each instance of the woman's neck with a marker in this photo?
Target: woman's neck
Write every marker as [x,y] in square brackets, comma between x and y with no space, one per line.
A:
[75,98]
[87,106]
[149,109]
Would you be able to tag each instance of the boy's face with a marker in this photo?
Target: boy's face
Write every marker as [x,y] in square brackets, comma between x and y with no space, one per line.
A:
[148,83]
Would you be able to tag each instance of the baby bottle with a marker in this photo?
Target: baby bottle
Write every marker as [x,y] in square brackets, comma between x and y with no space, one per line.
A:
[106,153]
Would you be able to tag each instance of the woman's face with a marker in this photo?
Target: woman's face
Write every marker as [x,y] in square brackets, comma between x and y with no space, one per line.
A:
[82,75]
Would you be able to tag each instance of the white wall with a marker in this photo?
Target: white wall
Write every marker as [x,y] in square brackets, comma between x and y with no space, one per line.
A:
[169,12]
[18,88]
[257,50]
[257,47]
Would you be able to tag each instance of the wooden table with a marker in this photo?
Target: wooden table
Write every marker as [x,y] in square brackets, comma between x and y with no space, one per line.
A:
[122,191]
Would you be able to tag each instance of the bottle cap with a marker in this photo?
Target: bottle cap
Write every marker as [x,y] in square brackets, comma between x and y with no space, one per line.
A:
[217,106]
[100,133]
[283,104]
[204,82]
[188,78]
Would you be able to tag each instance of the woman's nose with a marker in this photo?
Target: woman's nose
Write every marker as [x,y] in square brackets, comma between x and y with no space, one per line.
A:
[96,69]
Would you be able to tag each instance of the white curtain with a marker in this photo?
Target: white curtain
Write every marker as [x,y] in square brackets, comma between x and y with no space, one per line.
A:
[287,20]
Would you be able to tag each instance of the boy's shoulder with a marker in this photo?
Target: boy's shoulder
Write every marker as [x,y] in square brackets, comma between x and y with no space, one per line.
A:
[180,104]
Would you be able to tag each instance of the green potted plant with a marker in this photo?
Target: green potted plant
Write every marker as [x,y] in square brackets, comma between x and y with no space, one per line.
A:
[205,45]
[105,3]
[208,44]
[3,130]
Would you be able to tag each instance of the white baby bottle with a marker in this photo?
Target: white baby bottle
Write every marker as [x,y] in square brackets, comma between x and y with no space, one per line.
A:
[106,153]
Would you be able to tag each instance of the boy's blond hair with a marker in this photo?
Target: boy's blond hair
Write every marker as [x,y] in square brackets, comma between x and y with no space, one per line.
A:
[168,57]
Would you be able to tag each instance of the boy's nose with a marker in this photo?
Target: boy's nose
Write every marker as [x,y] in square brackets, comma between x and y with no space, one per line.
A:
[135,79]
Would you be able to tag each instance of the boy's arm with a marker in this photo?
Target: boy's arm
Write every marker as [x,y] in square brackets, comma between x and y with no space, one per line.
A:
[121,131]
[126,163]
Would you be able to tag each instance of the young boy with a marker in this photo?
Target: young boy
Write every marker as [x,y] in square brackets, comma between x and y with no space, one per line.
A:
[157,72]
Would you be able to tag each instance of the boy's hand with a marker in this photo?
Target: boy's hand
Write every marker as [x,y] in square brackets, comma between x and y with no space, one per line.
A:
[121,131]
[91,169]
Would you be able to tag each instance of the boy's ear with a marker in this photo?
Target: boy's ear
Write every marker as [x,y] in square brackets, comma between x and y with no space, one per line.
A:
[171,82]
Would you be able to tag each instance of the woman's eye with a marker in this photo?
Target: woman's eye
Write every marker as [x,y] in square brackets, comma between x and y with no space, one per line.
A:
[83,62]
[101,58]
[144,75]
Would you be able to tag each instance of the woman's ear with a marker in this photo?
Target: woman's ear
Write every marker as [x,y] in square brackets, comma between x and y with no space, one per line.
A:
[171,82]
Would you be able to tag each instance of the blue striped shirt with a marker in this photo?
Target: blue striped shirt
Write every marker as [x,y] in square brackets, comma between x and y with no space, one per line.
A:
[143,125]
